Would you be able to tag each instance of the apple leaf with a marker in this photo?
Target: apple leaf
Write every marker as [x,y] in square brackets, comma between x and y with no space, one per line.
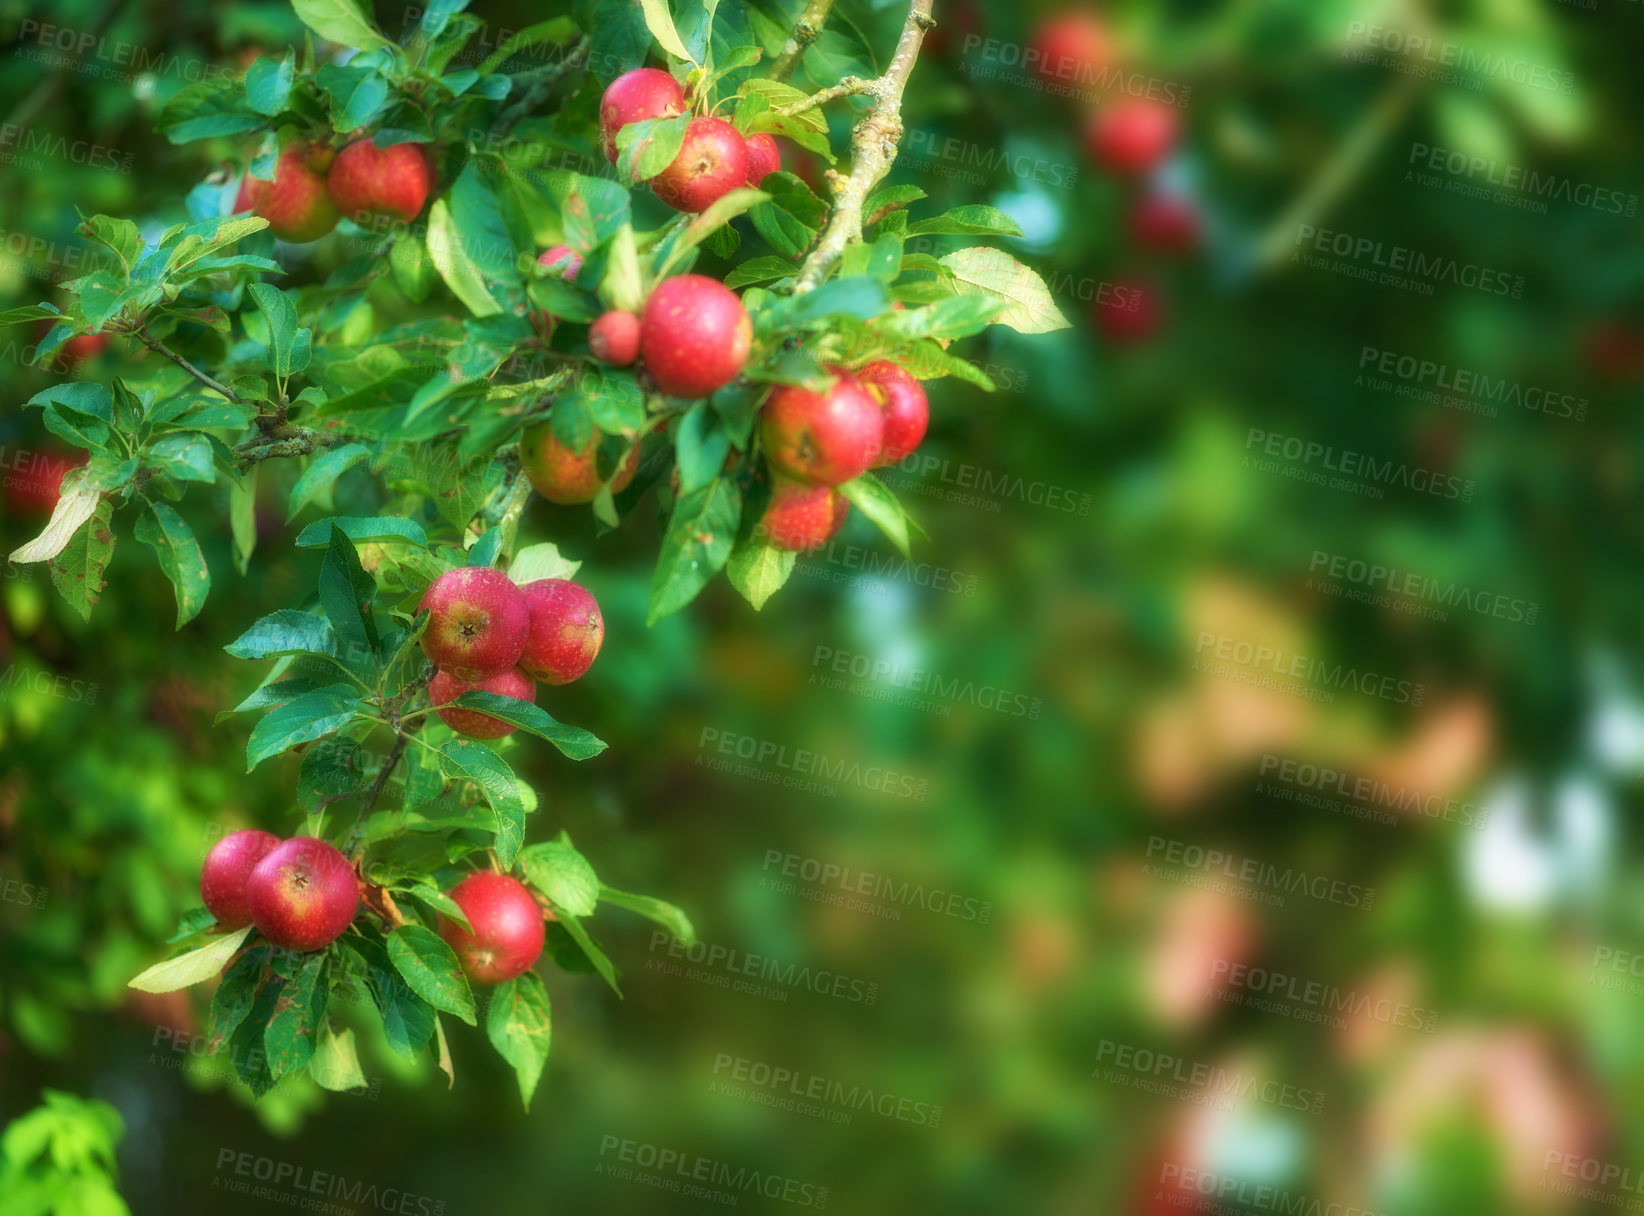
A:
[661,911]
[407,1019]
[972,220]
[759,570]
[661,24]
[336,1063]
[430,967]
[562,874]
[293,1029]
[573,742]
[340,21]
[191,968]
[321,472]
[697,543]
[489,771]
[875,500]
[542,561]
[330,770]
[519,1025]
[311,716]
[317,535]
[164,531]
[235,995]
[77,503]
[286,631]
[346,592]
[601,961]
[77,571]
[268,82]
[992,272]
[446,251]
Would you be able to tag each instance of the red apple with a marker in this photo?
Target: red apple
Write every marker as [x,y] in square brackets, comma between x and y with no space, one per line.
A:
[802,516]
[227,867]
[508,930]
[694,335]
[566,631]
[476,624]
[296,204]
[634,97]
[907,411]
[565,476]
[614,338]
[445,688]
[1129,314]
[569,264]
[302,894]
[1132,135]
[378,187]
[1071,47]
[71,354]
[711,163]
[35,485]
[823,438]
[1165,223]
[764,157]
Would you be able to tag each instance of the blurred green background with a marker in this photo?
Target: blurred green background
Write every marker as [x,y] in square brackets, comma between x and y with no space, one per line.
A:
[1172,901]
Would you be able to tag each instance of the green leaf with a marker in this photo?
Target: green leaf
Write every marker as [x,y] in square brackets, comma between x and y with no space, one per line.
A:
[972,220]
[407,1019]
[875,500]
[121,237]
[562,874]
[288,346]
[479,764]
[286,631]
[336,1062]
[699,538]
[719,213]
[330,770]
[164,531]
[235,995]
[661,911]
[40,312]
[891,198]
[861,297]
[292,1032]
[956,316]
[214,106]
[792,218]
[700,446]
[185,456]
[390,528]
[455,266]
[992,272]
[302,720]
[340,21]
[542,561]
[661,24]
[758,570]
[77,571]
[268,82]
[556,30]
[484,552]
[430,967]
[245,1046]
[437,14]
[518,1023]
[595,955]
[346,592]
[440,902]
[759,270]
[192,967]
[322,472]
[242,517]
[75,504]
[647,147]
[358,94]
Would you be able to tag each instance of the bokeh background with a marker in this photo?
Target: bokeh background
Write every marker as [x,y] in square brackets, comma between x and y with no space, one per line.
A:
[1261,829]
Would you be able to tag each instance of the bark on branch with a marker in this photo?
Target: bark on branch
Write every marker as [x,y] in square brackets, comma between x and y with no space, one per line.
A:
[805,31]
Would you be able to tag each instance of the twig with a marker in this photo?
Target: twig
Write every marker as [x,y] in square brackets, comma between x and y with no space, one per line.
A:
[354,846]
[538,83]
[155,344]
[301,441]
[873,150]
[519,497]
[845,88]
[805,31]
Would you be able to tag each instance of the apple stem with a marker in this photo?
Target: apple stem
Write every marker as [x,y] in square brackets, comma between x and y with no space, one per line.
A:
[873,149]
[805,31]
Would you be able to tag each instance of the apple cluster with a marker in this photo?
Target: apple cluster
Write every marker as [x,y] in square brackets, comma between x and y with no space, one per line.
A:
[302,894]
[486,633]
[314,186]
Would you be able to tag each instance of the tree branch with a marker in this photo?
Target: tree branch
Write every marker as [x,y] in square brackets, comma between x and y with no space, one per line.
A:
[155,344]
[354,846]
[805,31]
[538,83]
[873,150]
[845,88]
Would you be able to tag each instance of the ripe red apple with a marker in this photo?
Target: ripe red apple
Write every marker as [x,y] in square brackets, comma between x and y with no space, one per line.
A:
[477,622]
[227,867]
[377,187]
[445,688]
[35,486]
[565,476]
[694,335]
[297,203]
[823,438]
[802,516]
[566,631]
[1165,223]
[569,264]
[907,411]
[302,894]
[711,163]
[763,157]
[1132,135]
[634,97]
[1129,314]
[508,929]
[614,338]
[1071,47]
